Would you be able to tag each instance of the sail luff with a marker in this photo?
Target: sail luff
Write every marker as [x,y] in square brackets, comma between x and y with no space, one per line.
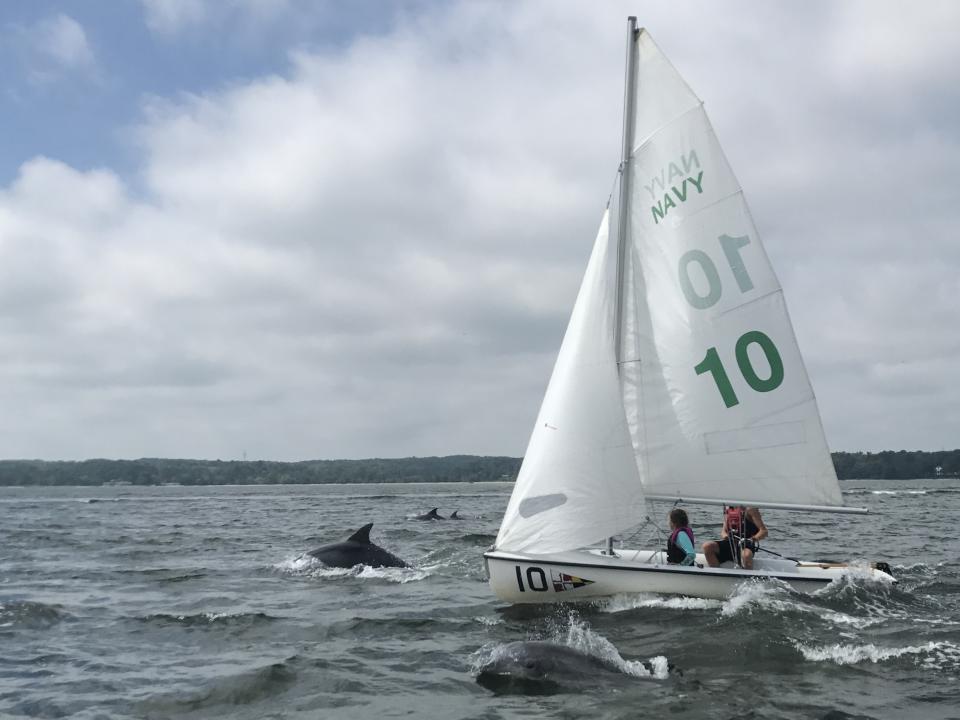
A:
[629,123]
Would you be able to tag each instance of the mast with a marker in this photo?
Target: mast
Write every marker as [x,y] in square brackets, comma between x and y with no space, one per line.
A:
[629,121]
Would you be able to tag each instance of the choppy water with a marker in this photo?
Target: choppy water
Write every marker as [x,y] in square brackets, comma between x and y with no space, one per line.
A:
[198,602]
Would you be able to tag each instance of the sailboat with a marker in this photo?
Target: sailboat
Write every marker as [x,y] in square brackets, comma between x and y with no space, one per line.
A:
[679,377]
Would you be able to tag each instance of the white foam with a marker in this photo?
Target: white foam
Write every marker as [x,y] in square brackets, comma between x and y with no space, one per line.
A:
[308,566]
[778,598]
[939,653]
[580,637]
[748,595]
[898,492]
[486,655]
[856,574]
[624,602]
[484,620]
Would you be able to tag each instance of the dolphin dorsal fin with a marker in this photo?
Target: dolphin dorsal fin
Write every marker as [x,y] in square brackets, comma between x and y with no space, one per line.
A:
[433,513]
[362,535]
[454,516]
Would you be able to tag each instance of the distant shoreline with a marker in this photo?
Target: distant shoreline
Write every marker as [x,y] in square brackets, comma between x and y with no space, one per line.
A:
[885,465]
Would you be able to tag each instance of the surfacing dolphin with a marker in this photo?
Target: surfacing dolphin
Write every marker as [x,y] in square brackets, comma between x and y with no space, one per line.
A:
[357,550]
[455,515]
[545,668]
[432,515]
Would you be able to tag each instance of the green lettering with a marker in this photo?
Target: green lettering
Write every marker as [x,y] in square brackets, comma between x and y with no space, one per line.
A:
[657,213]
[689,161]
[731,248]
[701,302]
[711,364]
[773,360]
[697,182]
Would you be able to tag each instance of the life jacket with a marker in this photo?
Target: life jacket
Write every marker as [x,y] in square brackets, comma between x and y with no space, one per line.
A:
[738,523]
[676,554]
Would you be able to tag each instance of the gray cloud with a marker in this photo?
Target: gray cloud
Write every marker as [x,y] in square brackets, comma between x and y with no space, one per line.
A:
[375,252]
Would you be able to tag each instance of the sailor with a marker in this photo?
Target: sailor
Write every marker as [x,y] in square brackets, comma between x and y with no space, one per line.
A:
[680,544]
[742,531]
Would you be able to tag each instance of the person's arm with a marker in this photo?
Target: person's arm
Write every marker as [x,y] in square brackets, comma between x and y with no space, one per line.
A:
[758,521]
[683,542]
[723,531]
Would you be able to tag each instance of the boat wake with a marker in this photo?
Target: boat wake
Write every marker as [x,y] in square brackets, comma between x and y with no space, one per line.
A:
[626,602]
[847,603]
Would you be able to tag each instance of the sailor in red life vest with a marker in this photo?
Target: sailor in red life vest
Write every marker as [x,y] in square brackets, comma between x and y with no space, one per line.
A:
[680,544]
[743,529]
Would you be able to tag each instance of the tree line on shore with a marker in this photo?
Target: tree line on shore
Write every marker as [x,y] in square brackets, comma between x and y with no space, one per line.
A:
[886,465]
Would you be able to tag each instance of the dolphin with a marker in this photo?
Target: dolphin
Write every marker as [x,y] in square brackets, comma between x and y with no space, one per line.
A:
[432,515]
[545,668]
[455,516]
[357,550]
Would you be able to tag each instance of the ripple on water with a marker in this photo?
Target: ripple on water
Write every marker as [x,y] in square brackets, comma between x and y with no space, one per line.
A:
[25,614]
[211,619]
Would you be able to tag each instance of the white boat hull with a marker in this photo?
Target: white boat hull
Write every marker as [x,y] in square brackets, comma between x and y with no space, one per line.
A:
[591,574]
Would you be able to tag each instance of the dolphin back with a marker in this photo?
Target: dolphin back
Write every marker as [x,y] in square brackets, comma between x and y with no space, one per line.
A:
[357,550]
[362,535]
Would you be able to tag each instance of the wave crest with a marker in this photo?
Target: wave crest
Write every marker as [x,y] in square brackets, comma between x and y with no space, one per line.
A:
[933,655]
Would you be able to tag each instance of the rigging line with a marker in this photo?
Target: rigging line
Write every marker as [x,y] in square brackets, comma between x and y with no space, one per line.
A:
[646,521]
[762,549]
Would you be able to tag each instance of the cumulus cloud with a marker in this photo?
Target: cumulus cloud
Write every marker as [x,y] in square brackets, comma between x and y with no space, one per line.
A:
[374,252]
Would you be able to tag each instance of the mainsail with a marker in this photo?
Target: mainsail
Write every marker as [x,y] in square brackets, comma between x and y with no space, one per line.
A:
[716,393]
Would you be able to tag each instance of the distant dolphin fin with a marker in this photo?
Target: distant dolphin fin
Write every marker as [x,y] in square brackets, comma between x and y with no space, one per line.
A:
[454,515]
[433,514]
[362,535]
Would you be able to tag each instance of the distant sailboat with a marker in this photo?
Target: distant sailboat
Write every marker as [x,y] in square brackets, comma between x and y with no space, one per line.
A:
[679,376]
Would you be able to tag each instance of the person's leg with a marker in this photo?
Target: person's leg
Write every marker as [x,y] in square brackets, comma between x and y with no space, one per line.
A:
[710,553]
[746,559]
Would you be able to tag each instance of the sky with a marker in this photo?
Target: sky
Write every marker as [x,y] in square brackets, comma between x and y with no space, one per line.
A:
[287,230]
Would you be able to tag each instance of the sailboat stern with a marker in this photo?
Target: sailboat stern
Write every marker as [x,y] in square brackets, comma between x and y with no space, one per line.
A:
[532,579]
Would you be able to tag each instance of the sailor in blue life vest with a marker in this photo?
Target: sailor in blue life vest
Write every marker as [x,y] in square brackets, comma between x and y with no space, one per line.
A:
[743,529]
[680,544]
